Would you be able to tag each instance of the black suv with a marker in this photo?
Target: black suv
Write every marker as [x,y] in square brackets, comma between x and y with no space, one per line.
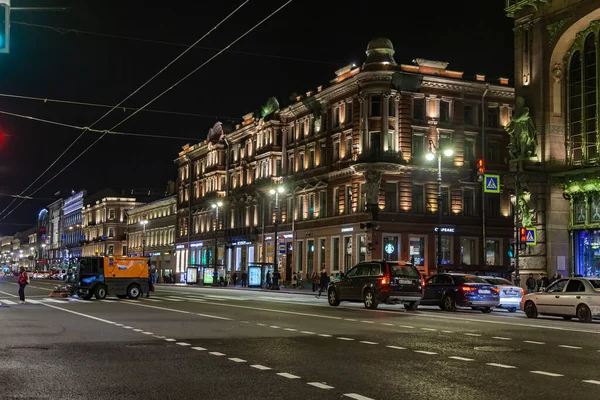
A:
[378,281]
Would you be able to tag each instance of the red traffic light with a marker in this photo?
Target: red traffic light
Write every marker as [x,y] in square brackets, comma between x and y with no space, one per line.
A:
[481,166]
[523,233]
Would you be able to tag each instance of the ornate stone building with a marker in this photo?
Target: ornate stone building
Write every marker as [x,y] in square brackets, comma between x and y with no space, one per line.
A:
[350,157]
[556,73]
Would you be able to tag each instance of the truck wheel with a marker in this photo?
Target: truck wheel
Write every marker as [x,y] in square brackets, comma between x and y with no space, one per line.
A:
[134,291]
[100,292]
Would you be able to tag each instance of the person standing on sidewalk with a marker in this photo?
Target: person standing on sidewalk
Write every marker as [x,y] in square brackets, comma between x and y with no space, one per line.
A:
[23,281]
[315,280]
[323,283]
[530,283]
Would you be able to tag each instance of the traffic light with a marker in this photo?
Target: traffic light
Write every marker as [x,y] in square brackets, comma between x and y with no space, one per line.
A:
[511,250]
[523,234]
[480,167]
[4,26]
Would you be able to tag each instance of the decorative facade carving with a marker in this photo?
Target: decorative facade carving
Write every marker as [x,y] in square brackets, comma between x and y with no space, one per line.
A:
[557,73]
[522,132]
[556,28]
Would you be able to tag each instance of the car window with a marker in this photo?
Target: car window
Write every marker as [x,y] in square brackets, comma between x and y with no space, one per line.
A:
[362,270]
[375,269]
[557,286]
[595,283]
[441,279]
[498,281]
[352,272]
[575,285]
[470,279]
[403,271]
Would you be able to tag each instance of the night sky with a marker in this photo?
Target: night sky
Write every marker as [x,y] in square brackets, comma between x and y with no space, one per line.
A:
[295,51]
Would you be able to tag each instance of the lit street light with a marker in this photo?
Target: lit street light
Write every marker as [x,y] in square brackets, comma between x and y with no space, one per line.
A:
[216,206]
[144,222]
[433,152]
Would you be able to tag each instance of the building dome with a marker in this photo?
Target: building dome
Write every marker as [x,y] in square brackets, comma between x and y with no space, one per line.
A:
[380,50]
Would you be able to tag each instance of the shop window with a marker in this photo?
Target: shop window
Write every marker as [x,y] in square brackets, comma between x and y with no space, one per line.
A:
[417,250]
[468,251]
[335,254]
[347,253]
[310,257]
[587,252]
[579,211]
[300,252]
[492,252]
[390,248]
[362,248]
[322,253]
[446,250]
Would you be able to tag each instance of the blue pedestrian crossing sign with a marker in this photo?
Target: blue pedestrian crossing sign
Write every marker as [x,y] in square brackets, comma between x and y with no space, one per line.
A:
[491,183]
[530,237]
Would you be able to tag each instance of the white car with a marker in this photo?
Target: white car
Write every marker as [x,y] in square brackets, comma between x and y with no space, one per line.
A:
[510,295]
[567,298]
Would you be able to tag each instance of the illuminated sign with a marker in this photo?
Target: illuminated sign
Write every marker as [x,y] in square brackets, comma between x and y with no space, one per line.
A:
[241,243]
[389,248]
[350,229]
[445,229]
[196,244]
[288,236]
[180,246]
[269,238]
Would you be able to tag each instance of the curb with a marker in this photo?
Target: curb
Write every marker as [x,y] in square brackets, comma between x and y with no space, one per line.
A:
[306,292]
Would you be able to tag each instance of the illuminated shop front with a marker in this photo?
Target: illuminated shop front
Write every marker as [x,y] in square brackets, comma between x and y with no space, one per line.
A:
[584,225]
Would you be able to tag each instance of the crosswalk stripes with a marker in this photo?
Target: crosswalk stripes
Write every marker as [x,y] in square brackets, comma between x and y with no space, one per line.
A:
[7,302]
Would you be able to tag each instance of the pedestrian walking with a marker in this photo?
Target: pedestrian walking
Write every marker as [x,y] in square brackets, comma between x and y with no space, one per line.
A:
[23,281]
[295,281]
[235,278]
[323,283]
[315,280]
[244,279]
[530,283]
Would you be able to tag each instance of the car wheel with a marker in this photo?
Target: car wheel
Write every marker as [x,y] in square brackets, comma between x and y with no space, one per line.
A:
[512,309]
[583,313]
[369,299]
[486,310]
[530,309]
[412,306]
[100,292]
[133,292]
[449,303]
[332,298]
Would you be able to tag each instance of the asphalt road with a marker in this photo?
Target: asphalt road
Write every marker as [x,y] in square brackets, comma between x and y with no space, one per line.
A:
[218,343]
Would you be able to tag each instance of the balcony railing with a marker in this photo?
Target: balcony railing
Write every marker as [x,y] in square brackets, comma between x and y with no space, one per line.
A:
[382,156]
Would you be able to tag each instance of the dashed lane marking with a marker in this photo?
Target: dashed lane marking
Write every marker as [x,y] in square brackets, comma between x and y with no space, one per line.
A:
[396,347]
[367,322]
[552,374]
[344,338]
[501,365]
[357,396]
[429,329]
[237,360]
[308,332]
[183,344]
[472,334]
[461,358]
[533,342]
[199,348]
[128,327]
[387,324]
[290,329]
[319,385]
[159,336]
[406,326]
[592,382]
[147,333]
[170,340]
[350,319]
[260,367]
[501,338]
[289,376]
[275,327]
[261,324]
[324,335]
[138,330]
[216,353]
[367,342]
[564,346]
[447,331]
[429,353]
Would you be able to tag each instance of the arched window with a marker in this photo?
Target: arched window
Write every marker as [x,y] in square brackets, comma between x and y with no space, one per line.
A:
[589,96]
[575,130]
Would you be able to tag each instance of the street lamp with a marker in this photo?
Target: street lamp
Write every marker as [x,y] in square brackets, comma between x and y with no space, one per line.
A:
[433,152]
[216,206]
[276,191]
[144,222]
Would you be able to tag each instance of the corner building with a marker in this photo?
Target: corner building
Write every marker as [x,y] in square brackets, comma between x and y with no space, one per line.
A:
[351,159]
[557,50]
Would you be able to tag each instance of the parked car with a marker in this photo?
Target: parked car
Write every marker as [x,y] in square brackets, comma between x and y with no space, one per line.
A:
[449,291]
[378,281]
[510,295]
[567,298]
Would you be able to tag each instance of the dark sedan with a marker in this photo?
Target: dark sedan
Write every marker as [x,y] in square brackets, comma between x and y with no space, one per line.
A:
[449,291]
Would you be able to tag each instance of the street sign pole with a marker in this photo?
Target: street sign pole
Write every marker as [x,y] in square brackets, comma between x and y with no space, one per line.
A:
[518,235]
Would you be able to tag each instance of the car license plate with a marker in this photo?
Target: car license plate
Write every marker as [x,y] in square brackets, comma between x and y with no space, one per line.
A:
[405,282]
[511,293]
[484,291]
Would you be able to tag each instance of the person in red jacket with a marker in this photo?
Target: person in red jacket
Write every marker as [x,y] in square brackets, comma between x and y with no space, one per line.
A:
[23,281]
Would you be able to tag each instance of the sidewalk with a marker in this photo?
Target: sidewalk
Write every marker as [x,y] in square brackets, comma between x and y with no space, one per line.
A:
[304,291]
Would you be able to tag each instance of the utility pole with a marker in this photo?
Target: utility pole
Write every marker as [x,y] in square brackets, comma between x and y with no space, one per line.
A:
[517,225]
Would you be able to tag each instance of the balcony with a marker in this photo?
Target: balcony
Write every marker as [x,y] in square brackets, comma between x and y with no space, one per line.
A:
[376,156]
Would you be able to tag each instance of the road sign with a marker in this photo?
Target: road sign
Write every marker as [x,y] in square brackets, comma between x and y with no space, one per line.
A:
[530,237]
[491,183]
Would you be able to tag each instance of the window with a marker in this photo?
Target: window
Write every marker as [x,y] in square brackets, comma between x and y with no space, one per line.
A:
[348,119]
[446,250]
[336,201]
[311,158]
[322,253]
[391,106]
[589,97]
[444,111]
[468,202]
[322,155]
[362,204]
[557,286]
[336,117]
[111,213]
[418,146]
[375,105]
[300,208]
[111,250]
[391,197]
[322,204]
[349,147]
[575,286]
[492,206]
[575,112]
[111,232]
[417,250]
[419,108]
[310,257]
[469,115]
[336,150]
[468,151]
[492,252]
[468,251]
[335,254]
[278,167]
[446,200]
[348,202]
[301,162]
[492,118]
[493,152]
[347,252]
[418,199]
[300,252]
[390,248]
[311,206]
[362,248]
[290,167]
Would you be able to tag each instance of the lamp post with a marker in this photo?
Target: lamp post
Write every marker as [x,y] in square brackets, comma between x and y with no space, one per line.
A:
[433,152]
[216,206]
[144,222]
[276,191]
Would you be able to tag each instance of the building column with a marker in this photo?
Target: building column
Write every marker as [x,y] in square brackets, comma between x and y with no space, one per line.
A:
[396,138]
[364,123]
[373,179]
[385,124]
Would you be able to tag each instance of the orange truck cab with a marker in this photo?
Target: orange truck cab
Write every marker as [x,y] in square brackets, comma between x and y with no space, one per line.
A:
[120,276]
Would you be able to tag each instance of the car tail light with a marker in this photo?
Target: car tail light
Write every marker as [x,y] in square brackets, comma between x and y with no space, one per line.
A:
[468,289]
[522,292]
[422,282]
[385,280]
[495,290]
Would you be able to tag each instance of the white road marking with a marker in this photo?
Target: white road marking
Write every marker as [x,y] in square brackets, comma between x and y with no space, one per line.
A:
[166,298]
[159,337]
[357,396]
[406,326]
[546,373]
[55,301]
[319,385]
[500,365]
[34,301]
[244,322]
[237,360]
[324,335]
[448,331]
[569,347]
[308,332]
[128,327]
[147,333]
[138,330]
[216,353]
[367,322]
[533,342]
[274,327]
[592,382]
[367,342]
[260,367]
[290,329]
[199,348]
[277,311]
[350,319]
[9,302]
[170,340]
[501,338]
[387,324]
[183,344]
[344,338]
[259,324]
[461,358]
[118,324]
[396,347]
[289,376]
[153,300]
[472,334]
[429,329]
[430,353]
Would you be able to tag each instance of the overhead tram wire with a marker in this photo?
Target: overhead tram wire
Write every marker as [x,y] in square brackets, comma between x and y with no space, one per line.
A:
[151,101]
[87,104]
[64,125]
[114,108]
[66,31]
